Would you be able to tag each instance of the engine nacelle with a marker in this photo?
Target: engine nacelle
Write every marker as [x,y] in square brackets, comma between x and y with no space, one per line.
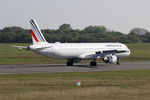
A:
[110,59]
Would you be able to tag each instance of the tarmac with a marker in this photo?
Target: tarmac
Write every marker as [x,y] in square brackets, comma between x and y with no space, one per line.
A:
[57,68]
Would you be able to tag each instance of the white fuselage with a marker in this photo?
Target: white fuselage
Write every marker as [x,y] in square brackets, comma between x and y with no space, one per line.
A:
[78,50]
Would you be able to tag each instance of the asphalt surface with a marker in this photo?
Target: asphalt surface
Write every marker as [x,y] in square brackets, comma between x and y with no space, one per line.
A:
[56,68]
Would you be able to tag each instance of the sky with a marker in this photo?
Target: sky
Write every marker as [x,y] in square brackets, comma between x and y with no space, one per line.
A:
[116,15]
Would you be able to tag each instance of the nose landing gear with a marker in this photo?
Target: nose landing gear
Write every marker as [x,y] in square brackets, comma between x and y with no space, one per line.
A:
[118,62]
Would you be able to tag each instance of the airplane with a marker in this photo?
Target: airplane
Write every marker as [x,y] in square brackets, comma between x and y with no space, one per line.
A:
[75,52]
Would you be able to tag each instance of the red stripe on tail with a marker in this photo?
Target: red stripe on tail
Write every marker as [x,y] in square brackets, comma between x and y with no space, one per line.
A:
[34,36]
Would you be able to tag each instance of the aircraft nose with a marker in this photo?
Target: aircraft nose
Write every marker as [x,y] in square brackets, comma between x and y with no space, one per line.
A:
[129,52]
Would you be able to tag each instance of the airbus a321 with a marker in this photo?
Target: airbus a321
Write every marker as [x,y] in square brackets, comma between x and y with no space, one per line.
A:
[74,52]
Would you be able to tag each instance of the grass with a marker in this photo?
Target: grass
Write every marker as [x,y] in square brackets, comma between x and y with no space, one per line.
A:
[139,52]
[116,85]
[9,55]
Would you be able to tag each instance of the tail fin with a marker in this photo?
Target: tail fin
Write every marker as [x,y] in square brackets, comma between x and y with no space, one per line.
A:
[37,35]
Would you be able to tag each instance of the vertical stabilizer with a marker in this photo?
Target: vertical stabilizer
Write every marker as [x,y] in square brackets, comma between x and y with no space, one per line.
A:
[36,33]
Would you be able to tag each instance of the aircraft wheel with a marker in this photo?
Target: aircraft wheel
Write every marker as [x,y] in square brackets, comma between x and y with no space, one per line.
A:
[118,63]
[92,63]
[69,63]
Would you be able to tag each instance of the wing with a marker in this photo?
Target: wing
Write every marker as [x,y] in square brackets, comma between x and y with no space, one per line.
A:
[99,54]
[108,52]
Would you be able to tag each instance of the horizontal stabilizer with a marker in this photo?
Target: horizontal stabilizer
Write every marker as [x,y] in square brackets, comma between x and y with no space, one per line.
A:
[21,47]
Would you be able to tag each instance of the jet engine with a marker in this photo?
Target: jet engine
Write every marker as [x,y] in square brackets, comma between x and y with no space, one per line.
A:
[110,59]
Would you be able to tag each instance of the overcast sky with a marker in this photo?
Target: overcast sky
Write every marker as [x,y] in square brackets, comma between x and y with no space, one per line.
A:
[118,15]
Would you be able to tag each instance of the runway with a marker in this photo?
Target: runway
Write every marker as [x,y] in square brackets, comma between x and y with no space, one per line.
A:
[56,68]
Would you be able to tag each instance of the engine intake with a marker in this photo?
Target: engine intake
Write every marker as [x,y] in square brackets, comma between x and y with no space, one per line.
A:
[110,59]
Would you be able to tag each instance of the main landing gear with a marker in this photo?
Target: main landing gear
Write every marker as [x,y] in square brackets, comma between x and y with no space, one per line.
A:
[93,63]
[70,62]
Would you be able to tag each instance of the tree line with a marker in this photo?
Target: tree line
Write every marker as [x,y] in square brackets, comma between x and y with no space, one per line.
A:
[65,33]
